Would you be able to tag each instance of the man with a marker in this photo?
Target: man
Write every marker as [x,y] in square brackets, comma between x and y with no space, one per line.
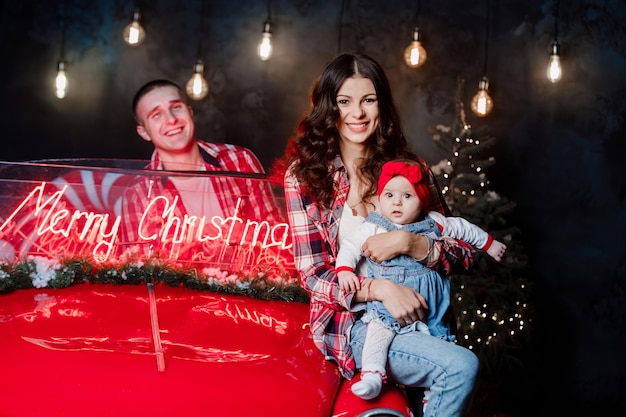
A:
[173,212]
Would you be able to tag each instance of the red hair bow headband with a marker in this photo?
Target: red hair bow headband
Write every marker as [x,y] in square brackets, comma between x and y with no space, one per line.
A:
[413,173]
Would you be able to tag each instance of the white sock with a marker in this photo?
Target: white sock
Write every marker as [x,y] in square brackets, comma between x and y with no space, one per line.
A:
[369,386]
[375,348]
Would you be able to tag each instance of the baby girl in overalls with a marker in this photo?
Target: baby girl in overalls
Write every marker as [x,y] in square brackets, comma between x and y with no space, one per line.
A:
[402,193]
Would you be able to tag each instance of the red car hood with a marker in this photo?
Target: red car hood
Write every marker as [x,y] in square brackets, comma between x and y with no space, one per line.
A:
[88,350]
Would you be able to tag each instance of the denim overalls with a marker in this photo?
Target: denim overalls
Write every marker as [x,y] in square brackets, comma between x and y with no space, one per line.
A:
[405,270]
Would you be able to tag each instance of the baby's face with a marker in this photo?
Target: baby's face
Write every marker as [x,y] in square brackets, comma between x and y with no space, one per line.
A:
[399,202]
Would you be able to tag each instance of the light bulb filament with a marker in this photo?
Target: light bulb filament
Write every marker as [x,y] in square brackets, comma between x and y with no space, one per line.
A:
[196,87]
[416,57]
[133,34]
[481,103]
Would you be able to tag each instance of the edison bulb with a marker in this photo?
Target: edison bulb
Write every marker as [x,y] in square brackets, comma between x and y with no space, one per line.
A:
[197,86]
[415,54]
[265,47]
[482,104]
[554,67]
[134,33]
[61,80]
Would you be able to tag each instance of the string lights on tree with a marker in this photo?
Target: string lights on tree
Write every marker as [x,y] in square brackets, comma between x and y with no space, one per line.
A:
[482,103]
[491,299]
[415,54]
[554,66]
[134,34]
[197,87]
[265,46]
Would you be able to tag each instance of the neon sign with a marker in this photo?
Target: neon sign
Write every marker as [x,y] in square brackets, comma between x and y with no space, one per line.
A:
[191,228]
[54,219]
[45,223]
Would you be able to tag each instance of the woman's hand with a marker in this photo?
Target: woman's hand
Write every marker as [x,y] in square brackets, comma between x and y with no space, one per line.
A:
[403,303]
[384,246]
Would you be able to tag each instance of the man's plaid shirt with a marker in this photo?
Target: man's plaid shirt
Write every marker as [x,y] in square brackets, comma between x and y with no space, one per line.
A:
[258,204]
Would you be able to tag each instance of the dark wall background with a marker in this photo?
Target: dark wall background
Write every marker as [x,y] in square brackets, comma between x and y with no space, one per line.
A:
[560,149]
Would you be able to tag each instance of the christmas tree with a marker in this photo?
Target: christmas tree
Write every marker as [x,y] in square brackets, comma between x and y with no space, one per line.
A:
[491,299]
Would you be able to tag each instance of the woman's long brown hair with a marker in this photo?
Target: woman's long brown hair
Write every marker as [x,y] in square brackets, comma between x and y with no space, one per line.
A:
[316,143]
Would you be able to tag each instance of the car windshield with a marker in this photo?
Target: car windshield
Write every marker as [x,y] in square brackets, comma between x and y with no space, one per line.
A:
[124,223]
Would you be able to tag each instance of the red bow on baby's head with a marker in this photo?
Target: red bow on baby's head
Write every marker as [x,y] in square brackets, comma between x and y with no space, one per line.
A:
[411,172]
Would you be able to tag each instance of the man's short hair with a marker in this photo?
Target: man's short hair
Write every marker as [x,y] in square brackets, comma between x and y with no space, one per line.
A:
[152,85]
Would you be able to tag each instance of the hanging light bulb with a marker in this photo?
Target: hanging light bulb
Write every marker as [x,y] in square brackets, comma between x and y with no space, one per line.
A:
[265,46]
[554,67]
[134,34]
[197,86]
[415,54]
[554,71]
[482,104]
[61,80]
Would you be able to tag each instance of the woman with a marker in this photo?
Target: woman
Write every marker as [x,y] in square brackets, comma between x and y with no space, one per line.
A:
[332,167]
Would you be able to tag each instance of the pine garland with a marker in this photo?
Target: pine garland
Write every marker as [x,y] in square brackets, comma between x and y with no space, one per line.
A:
[39,272]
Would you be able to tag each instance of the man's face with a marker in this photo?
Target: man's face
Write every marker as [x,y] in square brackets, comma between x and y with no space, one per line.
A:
[165,120]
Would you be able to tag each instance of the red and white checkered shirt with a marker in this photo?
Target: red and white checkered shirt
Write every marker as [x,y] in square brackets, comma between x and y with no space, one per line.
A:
[257,201]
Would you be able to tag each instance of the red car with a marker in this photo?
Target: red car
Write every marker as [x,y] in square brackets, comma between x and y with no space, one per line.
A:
[94,326]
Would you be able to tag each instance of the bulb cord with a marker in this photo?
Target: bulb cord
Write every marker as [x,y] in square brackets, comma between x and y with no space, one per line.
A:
[556,20]
[63,27]
[417,13]
[487,37]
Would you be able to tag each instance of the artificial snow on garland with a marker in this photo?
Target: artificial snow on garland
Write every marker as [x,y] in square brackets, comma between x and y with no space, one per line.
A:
[41,272]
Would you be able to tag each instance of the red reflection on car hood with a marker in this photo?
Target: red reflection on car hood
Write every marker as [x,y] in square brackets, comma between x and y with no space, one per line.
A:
[88,350]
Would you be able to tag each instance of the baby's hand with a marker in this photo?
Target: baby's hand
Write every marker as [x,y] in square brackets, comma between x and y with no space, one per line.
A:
[496,250]
[348,281]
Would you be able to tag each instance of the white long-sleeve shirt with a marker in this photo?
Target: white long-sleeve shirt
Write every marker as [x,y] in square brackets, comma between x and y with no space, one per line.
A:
[350,247]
